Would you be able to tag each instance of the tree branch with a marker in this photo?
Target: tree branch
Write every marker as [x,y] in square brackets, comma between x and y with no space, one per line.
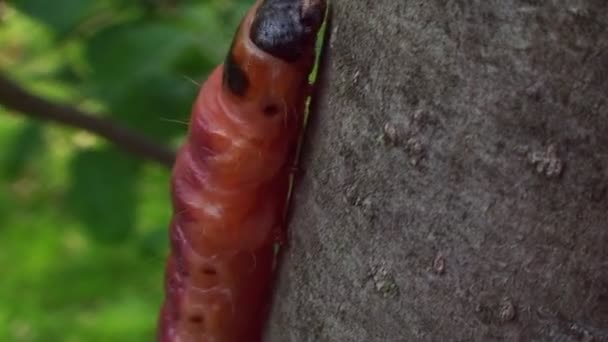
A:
[14,97]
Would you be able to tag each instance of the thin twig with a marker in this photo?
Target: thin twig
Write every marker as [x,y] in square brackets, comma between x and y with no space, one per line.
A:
[14,97]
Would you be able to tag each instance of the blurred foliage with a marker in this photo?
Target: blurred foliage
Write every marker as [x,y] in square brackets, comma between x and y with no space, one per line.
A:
[83,225]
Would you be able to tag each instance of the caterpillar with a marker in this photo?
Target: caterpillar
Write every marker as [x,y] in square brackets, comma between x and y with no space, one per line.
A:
[231,179]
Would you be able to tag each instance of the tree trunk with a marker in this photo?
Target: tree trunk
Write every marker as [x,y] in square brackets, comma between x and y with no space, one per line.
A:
[455,177]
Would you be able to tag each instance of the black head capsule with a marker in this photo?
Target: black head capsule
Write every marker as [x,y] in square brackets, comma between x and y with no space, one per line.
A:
[286,28]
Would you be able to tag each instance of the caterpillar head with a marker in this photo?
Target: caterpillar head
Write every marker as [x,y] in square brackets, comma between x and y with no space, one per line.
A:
[286,28]
[272,55]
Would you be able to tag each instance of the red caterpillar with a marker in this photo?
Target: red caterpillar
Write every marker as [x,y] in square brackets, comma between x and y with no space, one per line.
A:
[230,181]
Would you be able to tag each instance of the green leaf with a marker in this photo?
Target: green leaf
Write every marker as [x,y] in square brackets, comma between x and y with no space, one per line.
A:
[141,70]
[155,243]
[124,53]
[26,147]
[103,193]
[193,63]
[61,16]
[156,105]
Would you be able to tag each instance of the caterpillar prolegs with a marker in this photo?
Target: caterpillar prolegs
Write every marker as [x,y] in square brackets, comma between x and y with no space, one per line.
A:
[231,177]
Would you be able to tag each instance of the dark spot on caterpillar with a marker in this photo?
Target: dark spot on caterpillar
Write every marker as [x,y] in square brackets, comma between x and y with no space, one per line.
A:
[209,271]
[197,319]
[270,110]
[235,77]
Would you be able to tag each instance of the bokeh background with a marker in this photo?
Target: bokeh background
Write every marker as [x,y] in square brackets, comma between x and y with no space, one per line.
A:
[83,225]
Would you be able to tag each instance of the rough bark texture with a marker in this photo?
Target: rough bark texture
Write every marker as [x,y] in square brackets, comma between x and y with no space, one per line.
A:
[456,176]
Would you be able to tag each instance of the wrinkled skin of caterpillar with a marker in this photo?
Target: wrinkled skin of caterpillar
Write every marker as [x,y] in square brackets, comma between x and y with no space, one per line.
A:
[230,184]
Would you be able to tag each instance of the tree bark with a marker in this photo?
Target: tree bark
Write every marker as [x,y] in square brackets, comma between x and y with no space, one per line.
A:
[456,176]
